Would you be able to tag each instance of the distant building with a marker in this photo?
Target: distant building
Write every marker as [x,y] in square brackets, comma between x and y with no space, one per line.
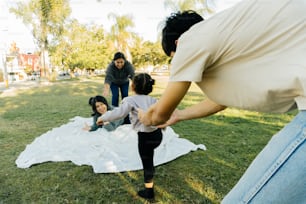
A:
[22,65]
[29,61]
[17,66]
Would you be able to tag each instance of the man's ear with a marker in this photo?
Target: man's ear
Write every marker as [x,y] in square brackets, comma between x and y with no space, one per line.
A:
[176,41]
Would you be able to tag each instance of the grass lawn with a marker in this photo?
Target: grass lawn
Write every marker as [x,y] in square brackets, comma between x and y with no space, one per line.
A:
[232,137]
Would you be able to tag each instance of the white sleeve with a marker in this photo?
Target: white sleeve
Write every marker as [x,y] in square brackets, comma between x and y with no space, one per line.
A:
[117,113]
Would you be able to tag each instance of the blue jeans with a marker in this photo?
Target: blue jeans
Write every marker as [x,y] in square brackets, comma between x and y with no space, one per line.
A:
[278,173]
[124,90]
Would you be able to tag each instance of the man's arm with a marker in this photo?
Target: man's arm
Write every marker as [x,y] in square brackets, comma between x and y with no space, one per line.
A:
[159,113]
[203,109]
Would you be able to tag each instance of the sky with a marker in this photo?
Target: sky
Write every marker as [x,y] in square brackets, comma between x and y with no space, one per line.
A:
[147,16]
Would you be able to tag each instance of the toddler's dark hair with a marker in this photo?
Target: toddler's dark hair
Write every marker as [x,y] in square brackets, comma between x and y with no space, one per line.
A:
[143,83]
[92,101]
[176,24]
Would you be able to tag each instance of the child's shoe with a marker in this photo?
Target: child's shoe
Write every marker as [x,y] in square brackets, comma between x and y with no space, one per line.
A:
[147,193]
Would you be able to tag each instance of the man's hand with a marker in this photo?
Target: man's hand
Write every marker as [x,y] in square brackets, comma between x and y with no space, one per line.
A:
[172,120]
[161,112]
[142,117]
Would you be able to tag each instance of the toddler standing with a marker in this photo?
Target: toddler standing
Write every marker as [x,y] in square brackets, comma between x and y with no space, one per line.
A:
[149,137]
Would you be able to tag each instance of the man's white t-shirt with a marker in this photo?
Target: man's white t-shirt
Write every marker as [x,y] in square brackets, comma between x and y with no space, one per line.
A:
[251,56]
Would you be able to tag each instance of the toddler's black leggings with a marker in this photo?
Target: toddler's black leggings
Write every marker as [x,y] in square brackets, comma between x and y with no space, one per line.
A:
[147,142]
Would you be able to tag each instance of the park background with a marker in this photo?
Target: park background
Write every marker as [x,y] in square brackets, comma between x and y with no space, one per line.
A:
[69,59]
[48,38]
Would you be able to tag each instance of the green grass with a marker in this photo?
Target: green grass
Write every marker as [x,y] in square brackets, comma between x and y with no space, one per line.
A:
[232,137]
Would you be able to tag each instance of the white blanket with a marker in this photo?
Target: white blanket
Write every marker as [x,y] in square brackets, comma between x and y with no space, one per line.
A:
[105,151]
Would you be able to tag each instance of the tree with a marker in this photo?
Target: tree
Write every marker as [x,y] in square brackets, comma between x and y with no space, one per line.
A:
[46,20]
[148,53]
[83,47]
[120,33]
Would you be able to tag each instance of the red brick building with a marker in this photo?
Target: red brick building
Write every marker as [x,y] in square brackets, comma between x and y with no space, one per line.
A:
[29,61]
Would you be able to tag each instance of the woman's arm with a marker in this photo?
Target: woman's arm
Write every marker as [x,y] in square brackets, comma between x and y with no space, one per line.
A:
[106,89]
[94,126]
[109,76]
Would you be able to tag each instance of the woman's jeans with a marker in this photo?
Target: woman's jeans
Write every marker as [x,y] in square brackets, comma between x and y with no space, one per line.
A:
[124,89]
[278,173]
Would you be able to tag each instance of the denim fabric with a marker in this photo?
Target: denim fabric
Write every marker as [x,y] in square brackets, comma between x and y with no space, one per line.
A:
[278,173]
[124,90]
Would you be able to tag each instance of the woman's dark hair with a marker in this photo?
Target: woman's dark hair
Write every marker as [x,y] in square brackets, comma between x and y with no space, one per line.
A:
[176,24]
[92,101]
[143,83]
[118,55]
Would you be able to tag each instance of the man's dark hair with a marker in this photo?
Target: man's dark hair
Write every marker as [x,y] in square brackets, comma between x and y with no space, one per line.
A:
[143,83]
[176,24]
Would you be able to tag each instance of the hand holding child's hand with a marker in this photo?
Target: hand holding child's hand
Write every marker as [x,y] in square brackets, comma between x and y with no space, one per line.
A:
[99,121]
[142,116]
[172,120]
